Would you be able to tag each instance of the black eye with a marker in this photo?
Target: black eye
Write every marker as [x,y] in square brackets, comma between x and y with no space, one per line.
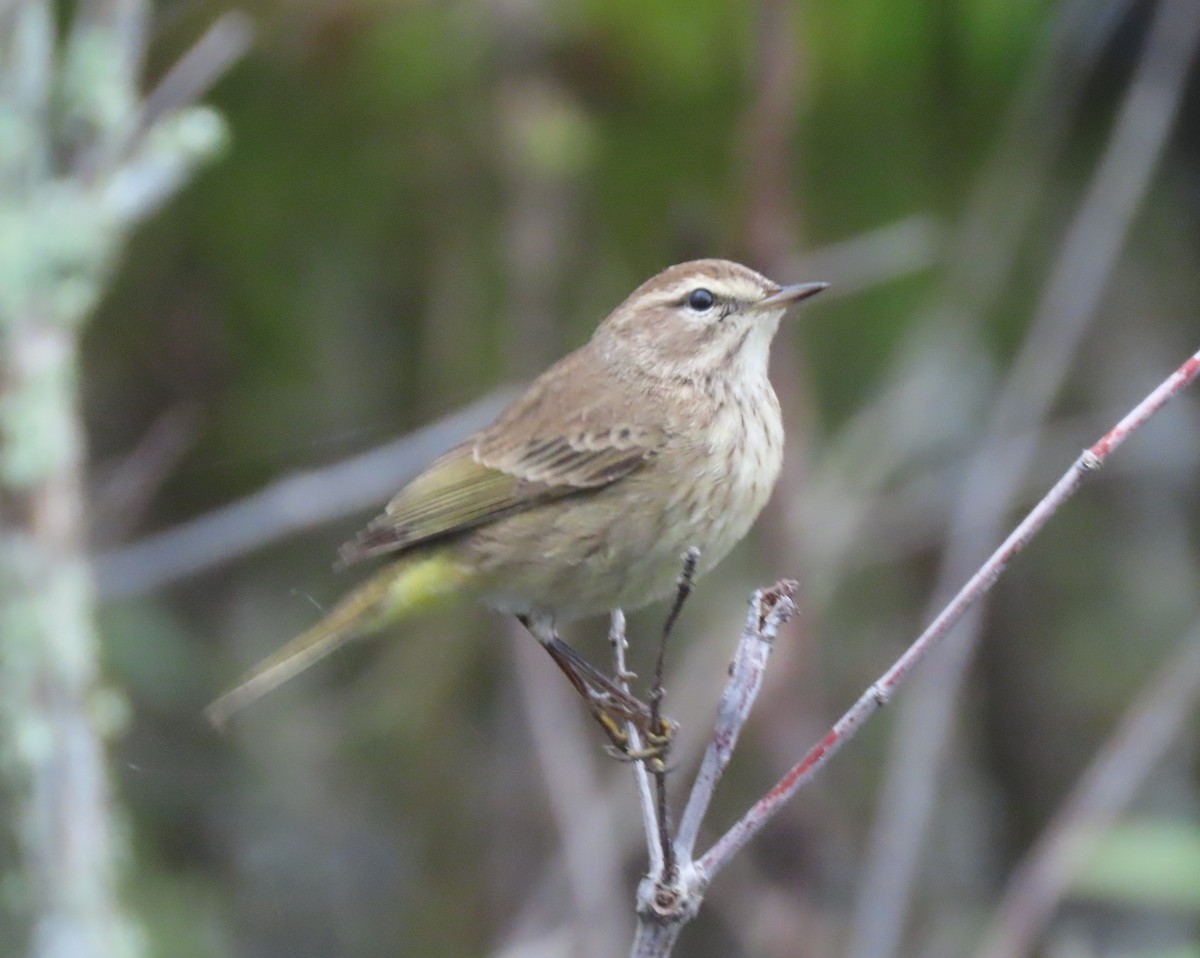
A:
[701,300]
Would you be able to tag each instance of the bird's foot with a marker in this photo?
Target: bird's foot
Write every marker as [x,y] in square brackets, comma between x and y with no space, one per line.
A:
[611,704]
[654,740]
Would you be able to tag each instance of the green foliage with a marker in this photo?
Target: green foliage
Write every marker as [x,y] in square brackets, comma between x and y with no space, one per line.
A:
[1147,864]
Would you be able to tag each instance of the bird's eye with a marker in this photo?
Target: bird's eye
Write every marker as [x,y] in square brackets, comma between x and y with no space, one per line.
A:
[701,300]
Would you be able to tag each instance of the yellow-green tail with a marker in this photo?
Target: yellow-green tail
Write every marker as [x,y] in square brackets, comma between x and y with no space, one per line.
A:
[404,587]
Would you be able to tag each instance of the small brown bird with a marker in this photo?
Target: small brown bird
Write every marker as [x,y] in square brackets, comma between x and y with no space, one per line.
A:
[660,434]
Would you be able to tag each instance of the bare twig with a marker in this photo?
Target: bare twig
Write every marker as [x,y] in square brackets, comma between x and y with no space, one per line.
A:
[654,939]
[768,610]
[128,488]
[1116,773]
[650,819]
[191,77]
[683,588]
[669,898]
[1069,299]
[879,693]
[292,504]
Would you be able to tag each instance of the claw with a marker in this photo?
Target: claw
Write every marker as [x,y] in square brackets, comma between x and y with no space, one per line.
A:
[657,742]
[611,705]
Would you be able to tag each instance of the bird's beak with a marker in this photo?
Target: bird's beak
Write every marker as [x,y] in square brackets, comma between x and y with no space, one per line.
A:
[790,294]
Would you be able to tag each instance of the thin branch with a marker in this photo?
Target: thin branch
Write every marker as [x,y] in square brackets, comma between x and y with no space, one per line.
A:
[194,74]
[126,490]
[291,505]
[650,821]
[122,24]
[768,611]
[683,589]
[690,680]
[669,899]
[1116,773]
[1068,301]
[654,940]
[879,693]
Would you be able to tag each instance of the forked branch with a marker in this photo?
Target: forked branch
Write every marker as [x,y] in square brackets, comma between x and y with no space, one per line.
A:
[669,898]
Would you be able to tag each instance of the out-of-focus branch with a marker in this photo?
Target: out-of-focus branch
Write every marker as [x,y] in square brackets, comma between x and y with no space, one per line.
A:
[1116,773]
[59,238]
[1069,299]
[591,862]
[294,503]
[312,498]
[889,252]
[120,498]
[192,76]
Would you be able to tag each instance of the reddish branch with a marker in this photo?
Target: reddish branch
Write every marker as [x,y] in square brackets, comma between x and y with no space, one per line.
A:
[667,900]
[881,691]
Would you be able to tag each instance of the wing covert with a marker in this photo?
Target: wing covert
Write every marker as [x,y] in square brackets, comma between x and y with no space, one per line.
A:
[498,475]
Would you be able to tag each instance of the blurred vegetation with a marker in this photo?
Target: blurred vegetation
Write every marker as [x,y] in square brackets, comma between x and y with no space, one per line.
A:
[424,201]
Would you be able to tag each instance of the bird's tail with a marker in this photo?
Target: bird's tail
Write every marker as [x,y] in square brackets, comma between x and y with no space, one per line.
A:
[409,585]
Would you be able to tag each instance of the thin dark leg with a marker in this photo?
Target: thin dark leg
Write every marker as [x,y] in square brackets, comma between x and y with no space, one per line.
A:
[659,733]
[609,704]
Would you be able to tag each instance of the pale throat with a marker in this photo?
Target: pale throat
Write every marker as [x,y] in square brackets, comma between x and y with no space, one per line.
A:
[754,357]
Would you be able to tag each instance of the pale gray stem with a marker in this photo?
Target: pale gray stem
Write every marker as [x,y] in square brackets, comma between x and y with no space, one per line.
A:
[616,636]
[292,504]
[653,940]
[667,899]
[591,863]
[745,679]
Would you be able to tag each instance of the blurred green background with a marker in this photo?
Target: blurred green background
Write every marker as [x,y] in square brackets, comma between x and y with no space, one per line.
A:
[426,202]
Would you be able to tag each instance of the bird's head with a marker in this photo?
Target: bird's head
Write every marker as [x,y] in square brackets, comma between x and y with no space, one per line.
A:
[705,317]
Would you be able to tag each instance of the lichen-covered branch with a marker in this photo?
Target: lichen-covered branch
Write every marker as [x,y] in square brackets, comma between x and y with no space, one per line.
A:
[61,229]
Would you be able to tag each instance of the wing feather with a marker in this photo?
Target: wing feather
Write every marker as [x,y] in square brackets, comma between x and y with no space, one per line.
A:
[518,462]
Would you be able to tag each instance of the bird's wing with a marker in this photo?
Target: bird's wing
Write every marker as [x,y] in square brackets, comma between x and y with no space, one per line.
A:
[529,456]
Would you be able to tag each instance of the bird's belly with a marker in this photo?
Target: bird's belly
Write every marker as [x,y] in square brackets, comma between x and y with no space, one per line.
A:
[622,546]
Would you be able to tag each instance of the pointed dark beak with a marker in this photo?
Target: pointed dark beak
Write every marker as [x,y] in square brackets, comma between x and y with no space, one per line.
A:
[790,294]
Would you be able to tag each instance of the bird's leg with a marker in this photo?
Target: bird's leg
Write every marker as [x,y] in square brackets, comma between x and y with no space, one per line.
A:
[608,703]
[658,734]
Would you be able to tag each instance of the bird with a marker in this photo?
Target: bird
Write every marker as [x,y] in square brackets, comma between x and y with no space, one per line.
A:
[661,434]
